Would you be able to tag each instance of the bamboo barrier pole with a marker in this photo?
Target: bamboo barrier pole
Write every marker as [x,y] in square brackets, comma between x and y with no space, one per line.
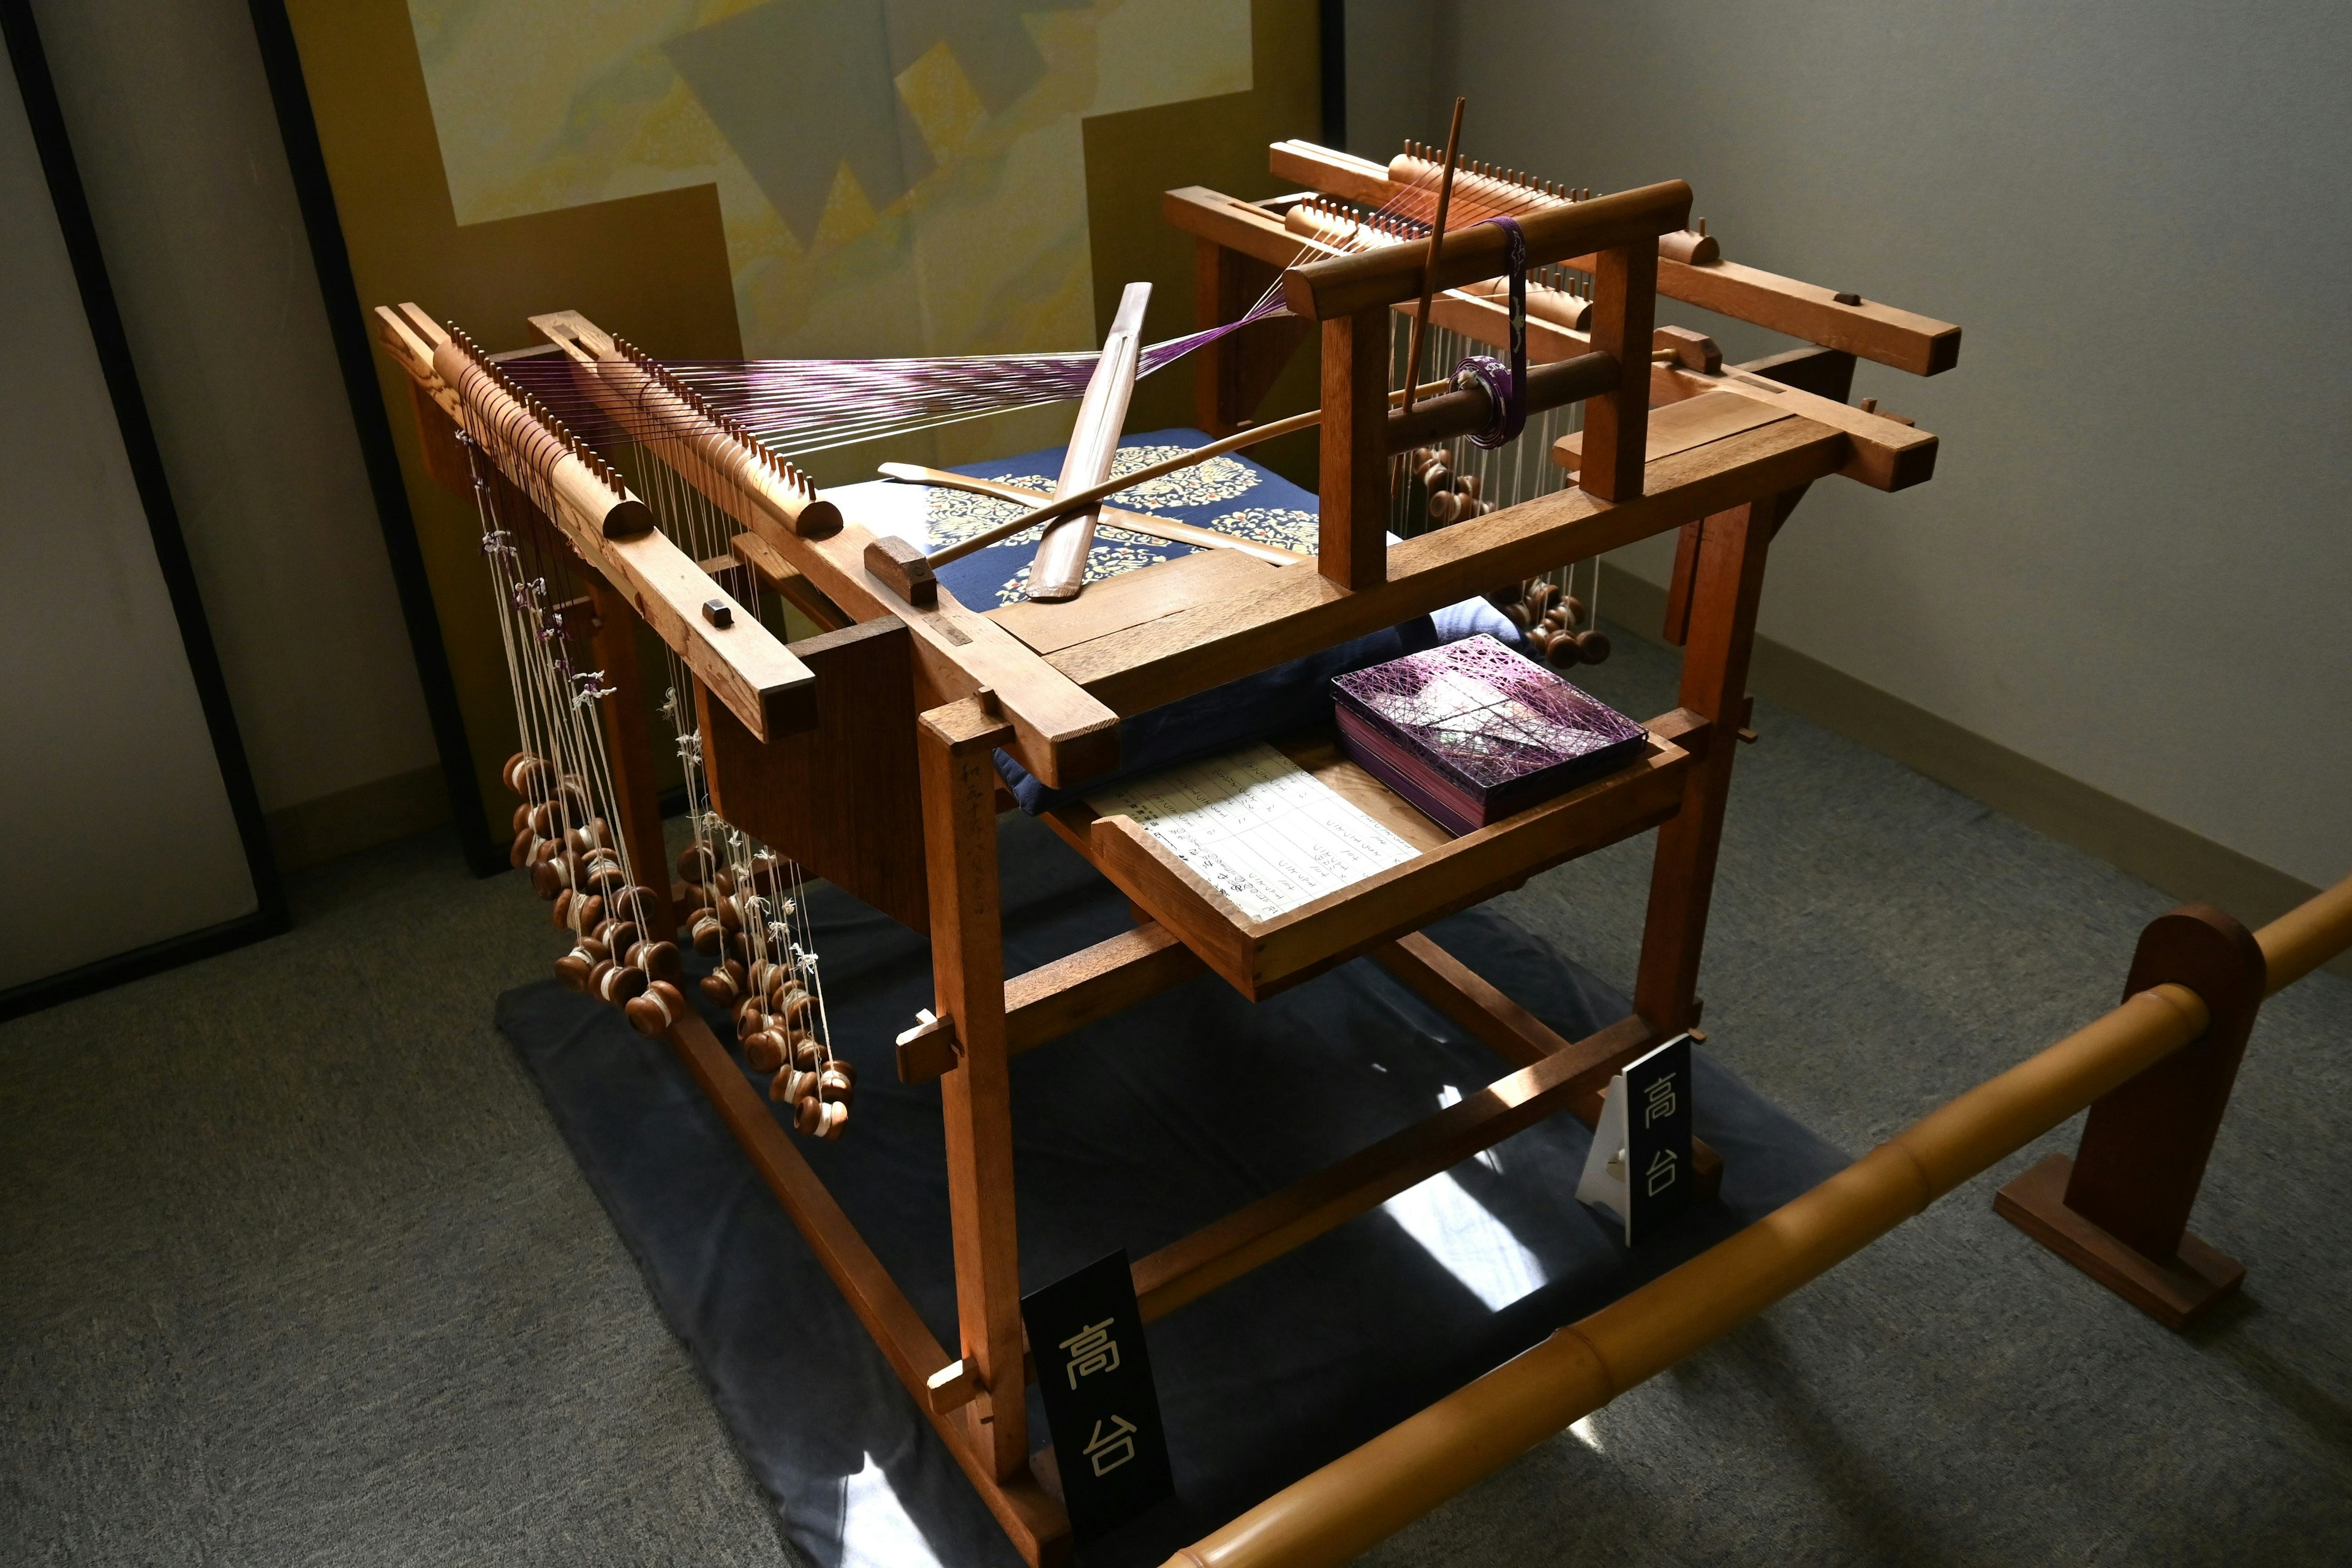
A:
[1365,1496]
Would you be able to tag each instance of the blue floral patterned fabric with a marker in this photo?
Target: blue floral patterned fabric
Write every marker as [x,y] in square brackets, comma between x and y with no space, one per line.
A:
[1230,494]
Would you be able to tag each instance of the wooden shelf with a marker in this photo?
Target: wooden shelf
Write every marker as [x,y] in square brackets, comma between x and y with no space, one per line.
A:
[1262,957]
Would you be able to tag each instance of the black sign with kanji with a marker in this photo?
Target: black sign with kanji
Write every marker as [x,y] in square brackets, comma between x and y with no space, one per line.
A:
[1085,1336]
[1658,1137]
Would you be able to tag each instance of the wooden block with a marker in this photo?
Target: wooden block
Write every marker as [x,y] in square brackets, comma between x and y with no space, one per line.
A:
[1688,245]
[903,568]
[928,1051]
[2176,1294]
[841,798]
[1694,350]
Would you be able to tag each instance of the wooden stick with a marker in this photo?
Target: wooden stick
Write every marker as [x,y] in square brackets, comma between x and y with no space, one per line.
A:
[1133,522]
[1117,482]
[1429,269]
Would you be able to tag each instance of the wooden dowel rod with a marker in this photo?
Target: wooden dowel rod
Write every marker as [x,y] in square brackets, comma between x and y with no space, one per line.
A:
[1429,265]
[1460,413]
[2307,936]
[1362,1497]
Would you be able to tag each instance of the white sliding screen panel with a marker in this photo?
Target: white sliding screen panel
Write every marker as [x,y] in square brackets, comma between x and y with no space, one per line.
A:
[121,843]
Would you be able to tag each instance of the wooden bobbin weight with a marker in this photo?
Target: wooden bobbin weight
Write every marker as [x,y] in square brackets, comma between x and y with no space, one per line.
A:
[659,960]
[834,1084]
[574,969]
[653,1011]
[832,1117]
[1592,647]
[619,982]
[518,852]
[553,875]
[706,935]
[764,1052]
[724,984]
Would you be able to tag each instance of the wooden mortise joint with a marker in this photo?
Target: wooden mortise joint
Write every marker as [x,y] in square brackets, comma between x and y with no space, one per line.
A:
[902,567]
[929,1050]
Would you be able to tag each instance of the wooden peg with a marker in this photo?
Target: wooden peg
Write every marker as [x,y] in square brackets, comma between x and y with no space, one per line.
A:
[904,568]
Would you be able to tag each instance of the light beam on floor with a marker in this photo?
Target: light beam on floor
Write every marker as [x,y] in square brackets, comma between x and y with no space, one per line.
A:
[876,1530]
[1466,1238]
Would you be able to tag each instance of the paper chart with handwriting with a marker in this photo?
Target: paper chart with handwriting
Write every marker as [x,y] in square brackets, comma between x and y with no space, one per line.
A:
[1259,828]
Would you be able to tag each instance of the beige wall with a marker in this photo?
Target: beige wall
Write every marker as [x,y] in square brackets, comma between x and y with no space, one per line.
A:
[178,144]
[2131,565]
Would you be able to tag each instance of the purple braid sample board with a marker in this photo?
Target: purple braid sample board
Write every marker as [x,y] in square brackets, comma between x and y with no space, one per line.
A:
[1471,732]
[1115,1145]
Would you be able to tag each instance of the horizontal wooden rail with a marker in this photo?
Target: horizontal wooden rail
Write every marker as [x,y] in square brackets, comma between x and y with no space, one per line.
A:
[1364,1496]
[1835,319]
[1223,1250]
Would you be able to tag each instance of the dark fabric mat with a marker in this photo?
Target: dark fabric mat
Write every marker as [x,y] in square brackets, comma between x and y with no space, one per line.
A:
[1132,1132]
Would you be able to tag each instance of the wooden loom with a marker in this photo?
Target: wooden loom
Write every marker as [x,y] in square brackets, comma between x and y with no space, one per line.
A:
[865,753]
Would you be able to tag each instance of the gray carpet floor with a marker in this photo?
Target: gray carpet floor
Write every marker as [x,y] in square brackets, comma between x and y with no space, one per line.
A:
[295,1270]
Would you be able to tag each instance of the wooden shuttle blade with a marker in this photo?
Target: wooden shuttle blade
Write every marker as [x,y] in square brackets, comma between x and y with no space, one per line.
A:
[1059,569]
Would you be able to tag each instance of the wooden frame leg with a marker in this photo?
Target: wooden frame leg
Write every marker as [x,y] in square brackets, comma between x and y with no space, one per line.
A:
[968,972]
[2118,1210]
[1353,548]
[1726,583]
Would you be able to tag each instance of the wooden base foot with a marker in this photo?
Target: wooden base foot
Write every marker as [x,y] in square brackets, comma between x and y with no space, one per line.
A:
[2174,1294]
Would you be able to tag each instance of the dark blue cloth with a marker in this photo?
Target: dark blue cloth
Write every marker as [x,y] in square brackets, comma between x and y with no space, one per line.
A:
[1132,1132]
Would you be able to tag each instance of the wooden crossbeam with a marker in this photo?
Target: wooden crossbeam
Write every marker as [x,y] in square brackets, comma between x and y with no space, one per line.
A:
[1512,1031]
[1223,1250]
[1835,319]
[1050,1001]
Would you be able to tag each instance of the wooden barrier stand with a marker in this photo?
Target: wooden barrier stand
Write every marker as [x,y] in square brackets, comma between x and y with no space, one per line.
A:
[2123,1061]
